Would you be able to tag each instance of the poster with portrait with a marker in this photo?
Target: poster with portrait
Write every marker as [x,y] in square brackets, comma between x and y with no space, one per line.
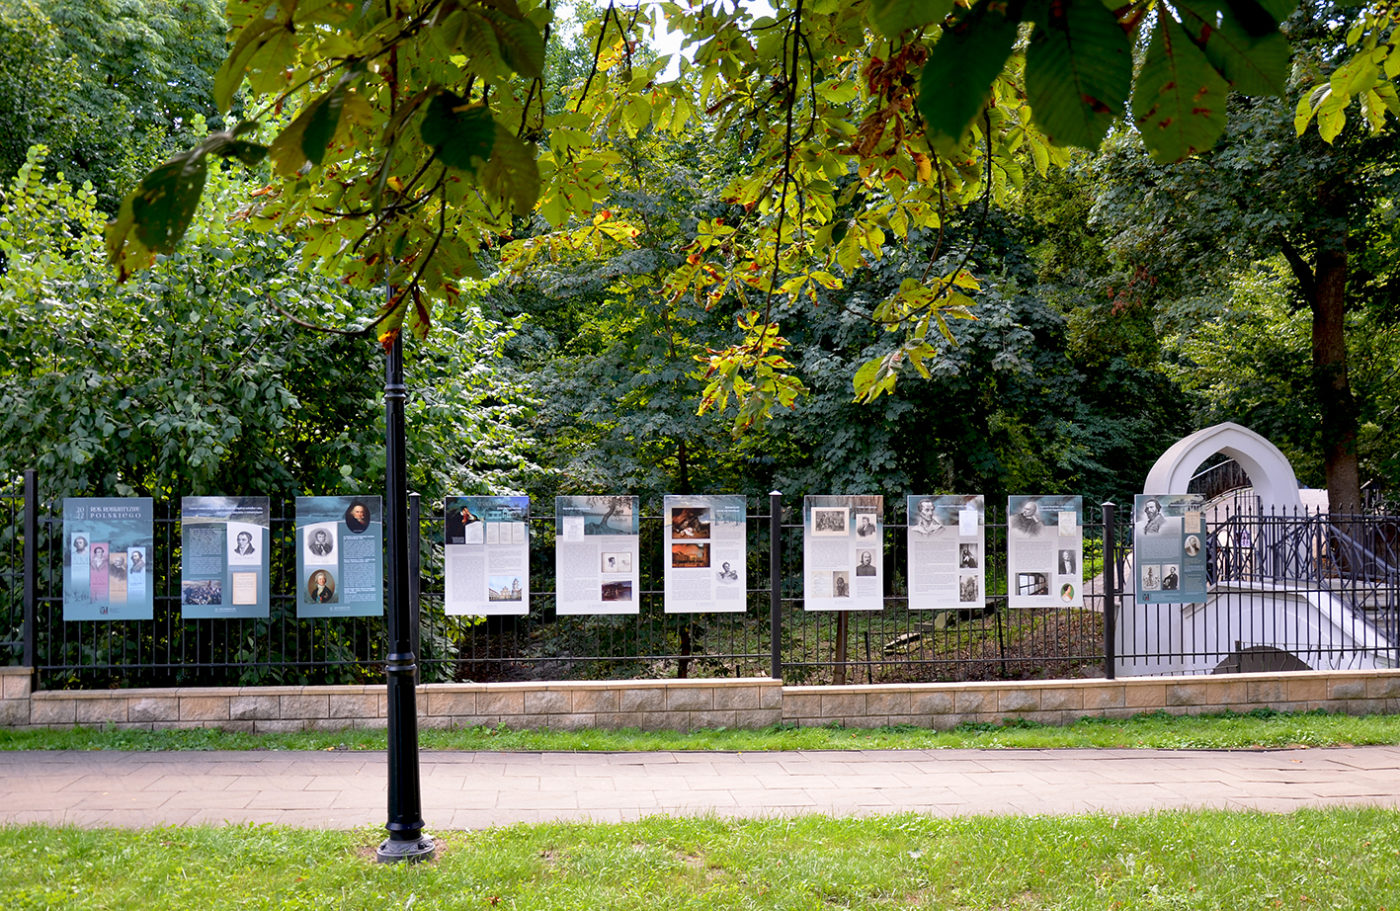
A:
[1169,548]
[843,553]
[1045,551]
[486,556]
[224,557]
[107,558]
[947,552]
[340,557]
[704,541]
[597,558]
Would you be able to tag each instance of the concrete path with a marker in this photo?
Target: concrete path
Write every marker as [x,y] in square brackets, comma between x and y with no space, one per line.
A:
[475,790]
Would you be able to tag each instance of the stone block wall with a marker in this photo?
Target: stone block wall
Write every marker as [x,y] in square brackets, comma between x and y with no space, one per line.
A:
[681,705]
[946,705]
[687,705]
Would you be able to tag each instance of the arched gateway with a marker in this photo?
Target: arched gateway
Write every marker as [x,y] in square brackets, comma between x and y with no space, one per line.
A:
[1271,612]
[1269,470]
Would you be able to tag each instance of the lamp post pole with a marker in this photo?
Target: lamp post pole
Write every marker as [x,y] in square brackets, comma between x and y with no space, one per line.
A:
[406,841]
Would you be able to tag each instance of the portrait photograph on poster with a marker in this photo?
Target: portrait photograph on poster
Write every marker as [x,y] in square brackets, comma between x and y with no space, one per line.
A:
[843,553]
[704,541]
[486,548]
[946,539]
[1044,550]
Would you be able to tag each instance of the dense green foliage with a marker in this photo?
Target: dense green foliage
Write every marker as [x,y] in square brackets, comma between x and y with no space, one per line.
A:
[187,381]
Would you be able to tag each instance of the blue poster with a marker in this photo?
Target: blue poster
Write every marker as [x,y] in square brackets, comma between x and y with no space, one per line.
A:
[224,564]
[340,557]
[1169,552]
[107,558]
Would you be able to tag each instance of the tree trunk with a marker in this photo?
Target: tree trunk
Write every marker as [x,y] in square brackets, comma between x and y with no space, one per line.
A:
[1329,366]
[843,627]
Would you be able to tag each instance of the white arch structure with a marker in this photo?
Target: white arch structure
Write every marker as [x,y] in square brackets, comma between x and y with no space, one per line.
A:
[1315,627]
[1269,470]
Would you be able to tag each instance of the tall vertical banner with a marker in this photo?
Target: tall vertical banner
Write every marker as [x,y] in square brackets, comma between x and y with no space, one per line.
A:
[597,555]
[486,566]
[1169,548]
[224,566]
[705,542]
[842,553]
[107,558]
[1045,551]
[340,557]
[947,552]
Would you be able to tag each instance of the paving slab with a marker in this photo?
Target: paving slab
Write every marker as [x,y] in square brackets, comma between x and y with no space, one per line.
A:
[470,790]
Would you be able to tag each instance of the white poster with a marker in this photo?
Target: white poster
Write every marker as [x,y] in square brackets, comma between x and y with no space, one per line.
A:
[947,552]
[597,558]
[1045,551]
[486,565]
[705,540]
[842,553]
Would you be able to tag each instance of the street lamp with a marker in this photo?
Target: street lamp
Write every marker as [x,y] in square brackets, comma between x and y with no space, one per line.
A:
[406,841]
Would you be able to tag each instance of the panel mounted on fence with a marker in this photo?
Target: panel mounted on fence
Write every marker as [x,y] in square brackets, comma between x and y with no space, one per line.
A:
[486,558]
[1169,548]
[340,557]
[843,553]
[597,555]
[1045,551]
[947,552]
[704,541]
[107,558]
[224,565]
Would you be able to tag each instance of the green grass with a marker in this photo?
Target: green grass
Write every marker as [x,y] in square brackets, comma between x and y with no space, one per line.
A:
[1263,728]
[1341,858]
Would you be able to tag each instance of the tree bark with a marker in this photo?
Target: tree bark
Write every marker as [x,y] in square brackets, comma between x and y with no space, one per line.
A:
[1329,360]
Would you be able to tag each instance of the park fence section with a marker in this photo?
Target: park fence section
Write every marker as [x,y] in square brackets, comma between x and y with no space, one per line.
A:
[1287,592]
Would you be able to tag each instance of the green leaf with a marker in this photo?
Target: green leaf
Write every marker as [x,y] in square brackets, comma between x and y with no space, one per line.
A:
[230,74]
[1260,18]
[323,116]
[961,68]
[164,203]
[521,45]
[461,134]
[890,17]
[511,172]
[1179,99]
[1079,71]
[1255,66]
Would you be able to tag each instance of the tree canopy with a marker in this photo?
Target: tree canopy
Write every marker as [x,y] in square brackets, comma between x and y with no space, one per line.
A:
[409,140]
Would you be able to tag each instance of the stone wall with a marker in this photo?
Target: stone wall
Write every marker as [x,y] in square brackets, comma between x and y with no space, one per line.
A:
[686,705]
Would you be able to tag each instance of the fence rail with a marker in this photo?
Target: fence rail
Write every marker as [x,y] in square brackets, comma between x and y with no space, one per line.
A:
[1352,563]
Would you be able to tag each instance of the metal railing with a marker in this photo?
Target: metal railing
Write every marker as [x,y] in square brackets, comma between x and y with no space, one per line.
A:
[1346,571]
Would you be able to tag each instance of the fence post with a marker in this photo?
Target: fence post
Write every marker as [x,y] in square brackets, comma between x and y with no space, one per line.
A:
[775,581]
[1110,591]
[31,567]
[415,556]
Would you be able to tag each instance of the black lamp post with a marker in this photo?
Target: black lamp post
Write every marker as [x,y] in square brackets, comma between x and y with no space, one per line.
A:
[406,841]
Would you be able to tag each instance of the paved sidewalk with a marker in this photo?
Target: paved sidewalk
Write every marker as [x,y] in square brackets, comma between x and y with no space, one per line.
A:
[464,790]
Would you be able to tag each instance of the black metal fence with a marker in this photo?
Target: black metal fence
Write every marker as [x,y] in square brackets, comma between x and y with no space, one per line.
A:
[1346,572]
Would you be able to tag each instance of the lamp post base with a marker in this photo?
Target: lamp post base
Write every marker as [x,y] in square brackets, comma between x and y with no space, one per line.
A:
[392,851]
